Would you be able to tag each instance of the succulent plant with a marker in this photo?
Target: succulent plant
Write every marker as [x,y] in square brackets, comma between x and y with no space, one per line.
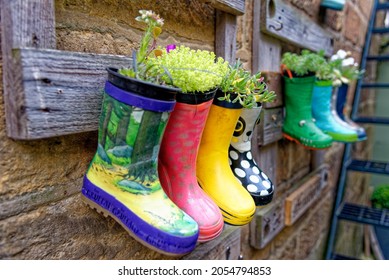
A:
[239,85]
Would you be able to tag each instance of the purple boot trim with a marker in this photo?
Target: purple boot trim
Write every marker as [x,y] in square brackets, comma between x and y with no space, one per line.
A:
[137,100]
[158,239]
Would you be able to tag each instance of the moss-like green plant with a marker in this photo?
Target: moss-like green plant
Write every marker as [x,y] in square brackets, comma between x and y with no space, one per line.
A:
[194,71]
[247,89]
[380,197]
[307,63]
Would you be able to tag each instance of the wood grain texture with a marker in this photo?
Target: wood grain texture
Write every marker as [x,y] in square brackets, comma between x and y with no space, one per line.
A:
[59,92]
[267,223]
[24,23]
[270,127]
[234,7]
[308,190]
[266,50]
[225,36]
[224,247]
[286,23]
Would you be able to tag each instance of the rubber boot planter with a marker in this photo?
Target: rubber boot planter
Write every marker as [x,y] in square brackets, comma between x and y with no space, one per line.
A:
[325,116]
[213,170]
[340,97]
[122,179]
[333,4]
[242,162]
[299,125]
[177,163]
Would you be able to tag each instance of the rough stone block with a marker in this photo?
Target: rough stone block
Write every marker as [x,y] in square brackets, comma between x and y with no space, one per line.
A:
[352,21]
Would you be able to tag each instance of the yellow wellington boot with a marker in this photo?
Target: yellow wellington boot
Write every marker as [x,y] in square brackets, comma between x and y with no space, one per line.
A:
[213,170]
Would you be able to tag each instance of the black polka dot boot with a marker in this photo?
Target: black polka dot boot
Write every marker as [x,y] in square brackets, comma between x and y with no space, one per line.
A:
[242,162]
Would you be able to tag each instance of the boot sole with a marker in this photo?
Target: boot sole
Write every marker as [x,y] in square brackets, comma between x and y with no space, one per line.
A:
[134,228]
[298,142]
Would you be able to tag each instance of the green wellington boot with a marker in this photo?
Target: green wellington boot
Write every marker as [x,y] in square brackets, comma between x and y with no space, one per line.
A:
[299,125]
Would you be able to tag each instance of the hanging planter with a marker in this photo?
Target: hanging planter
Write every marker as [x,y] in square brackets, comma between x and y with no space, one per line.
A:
[180,143]
[324,115]
[299,79]
[122,180]
[345,70]
[337,5]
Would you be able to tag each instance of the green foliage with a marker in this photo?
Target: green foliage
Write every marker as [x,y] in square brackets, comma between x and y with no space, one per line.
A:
[380,197]
[188,69]
[308,63]
[147,48]
[248,89]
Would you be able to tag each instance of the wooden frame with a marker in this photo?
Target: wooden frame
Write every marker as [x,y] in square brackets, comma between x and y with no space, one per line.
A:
[39,94]
[275,22]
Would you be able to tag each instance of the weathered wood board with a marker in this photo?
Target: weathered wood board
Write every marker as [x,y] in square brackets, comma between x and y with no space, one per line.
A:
[305,195]
[234,7]
[58,92]
[266,50]
[24,23]
[267,223]
[286,23]
[225,36]
[224,247]
[270,127]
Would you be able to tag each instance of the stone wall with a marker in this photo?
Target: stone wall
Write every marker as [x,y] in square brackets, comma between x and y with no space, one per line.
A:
[41,212]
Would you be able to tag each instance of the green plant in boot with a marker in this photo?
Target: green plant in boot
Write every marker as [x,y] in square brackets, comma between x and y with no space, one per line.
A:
[122,180]
[193,71]
[239,85]
[299,73]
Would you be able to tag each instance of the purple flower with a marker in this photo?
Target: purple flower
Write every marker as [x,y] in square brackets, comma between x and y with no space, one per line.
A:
[169,48]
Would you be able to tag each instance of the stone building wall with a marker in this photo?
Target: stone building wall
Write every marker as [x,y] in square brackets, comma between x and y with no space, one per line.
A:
[41,213]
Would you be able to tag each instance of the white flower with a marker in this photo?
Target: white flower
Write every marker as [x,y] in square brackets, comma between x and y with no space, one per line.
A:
[348,61]
[336,83]
[334,57]
[341,54]
[344,80]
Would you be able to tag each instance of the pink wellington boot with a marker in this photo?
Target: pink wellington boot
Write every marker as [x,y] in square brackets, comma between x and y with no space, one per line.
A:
[177,163]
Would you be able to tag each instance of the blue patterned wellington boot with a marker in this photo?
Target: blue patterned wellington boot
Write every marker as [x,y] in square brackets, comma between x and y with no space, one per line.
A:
[242,162]
[340,96]
[333,4]
[325,116]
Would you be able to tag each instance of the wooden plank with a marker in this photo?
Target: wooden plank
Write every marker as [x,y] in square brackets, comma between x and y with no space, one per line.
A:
[234,7]
[274,83]
[225,36]
[307,192]
[266,50]
[24,23]
[224,247]
[267,223]
[58,92]
[286,23]
[270,127]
